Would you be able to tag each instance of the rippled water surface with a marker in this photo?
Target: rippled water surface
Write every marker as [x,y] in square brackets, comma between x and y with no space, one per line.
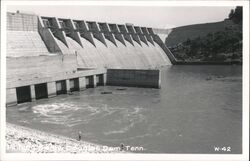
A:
[197,108]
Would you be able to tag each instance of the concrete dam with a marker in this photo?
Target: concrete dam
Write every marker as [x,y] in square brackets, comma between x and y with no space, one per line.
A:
[48,56]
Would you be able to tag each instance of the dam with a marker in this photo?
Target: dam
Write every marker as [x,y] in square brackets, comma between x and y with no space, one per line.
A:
[49,56]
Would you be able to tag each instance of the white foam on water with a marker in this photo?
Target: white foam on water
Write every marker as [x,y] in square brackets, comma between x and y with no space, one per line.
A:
[122,130]
[56,113]
[129,117]
[70,114]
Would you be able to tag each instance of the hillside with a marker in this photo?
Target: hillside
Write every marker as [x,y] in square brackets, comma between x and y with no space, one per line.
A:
[181,34]
[209,43]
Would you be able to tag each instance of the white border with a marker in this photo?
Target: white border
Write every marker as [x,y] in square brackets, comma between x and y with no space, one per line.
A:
[206,157]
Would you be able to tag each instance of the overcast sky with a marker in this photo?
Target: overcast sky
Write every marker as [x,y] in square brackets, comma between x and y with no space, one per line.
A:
[161,17]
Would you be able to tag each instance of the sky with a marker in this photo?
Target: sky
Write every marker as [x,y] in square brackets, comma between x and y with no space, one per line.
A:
[156,16]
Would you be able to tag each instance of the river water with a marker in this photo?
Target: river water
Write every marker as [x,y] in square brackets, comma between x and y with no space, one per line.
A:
[197,109]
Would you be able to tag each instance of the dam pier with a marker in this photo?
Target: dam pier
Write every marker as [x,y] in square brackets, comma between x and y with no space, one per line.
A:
[49,56]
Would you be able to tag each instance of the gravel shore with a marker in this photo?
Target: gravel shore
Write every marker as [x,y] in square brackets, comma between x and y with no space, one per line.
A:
[21,139]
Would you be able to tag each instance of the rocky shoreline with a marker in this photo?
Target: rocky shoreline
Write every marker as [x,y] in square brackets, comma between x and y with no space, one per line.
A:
[21,139]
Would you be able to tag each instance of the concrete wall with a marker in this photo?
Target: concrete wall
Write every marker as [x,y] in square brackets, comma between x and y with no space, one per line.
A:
[162,31]
[133,78]
[61,36]
[47,37]
[58,31]
[21,22]
[24,69]
[49,40]
[163,46]
[11,96]
[25,43]
[23,38]
[51,86]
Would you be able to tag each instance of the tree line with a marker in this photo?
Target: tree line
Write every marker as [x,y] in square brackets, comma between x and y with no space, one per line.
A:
[221,46]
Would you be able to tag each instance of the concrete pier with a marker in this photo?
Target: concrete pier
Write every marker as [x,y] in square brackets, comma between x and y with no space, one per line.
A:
[33,93]
[51,89]
[82,83]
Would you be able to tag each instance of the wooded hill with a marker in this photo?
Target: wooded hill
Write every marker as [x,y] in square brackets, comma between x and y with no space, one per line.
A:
[210,42]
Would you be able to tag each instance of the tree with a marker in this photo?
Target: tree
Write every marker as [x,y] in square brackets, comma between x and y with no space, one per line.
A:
[231,14]
[236,15]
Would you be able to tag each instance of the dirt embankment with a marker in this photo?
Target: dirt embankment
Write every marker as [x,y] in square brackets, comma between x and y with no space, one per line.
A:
[25,140]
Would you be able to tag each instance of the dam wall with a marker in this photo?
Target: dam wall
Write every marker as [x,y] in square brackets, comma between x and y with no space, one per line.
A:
[48,56]
[105,42]
[134,78]
[97,45]
[21,22]
[22,69]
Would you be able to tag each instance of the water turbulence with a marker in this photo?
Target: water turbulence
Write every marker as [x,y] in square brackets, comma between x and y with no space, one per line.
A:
[128,118]
[56,113]
[66,114]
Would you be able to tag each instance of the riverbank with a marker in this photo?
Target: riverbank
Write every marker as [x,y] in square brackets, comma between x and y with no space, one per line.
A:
[21,139]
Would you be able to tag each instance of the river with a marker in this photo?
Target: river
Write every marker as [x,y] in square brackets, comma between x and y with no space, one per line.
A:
[197,109]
